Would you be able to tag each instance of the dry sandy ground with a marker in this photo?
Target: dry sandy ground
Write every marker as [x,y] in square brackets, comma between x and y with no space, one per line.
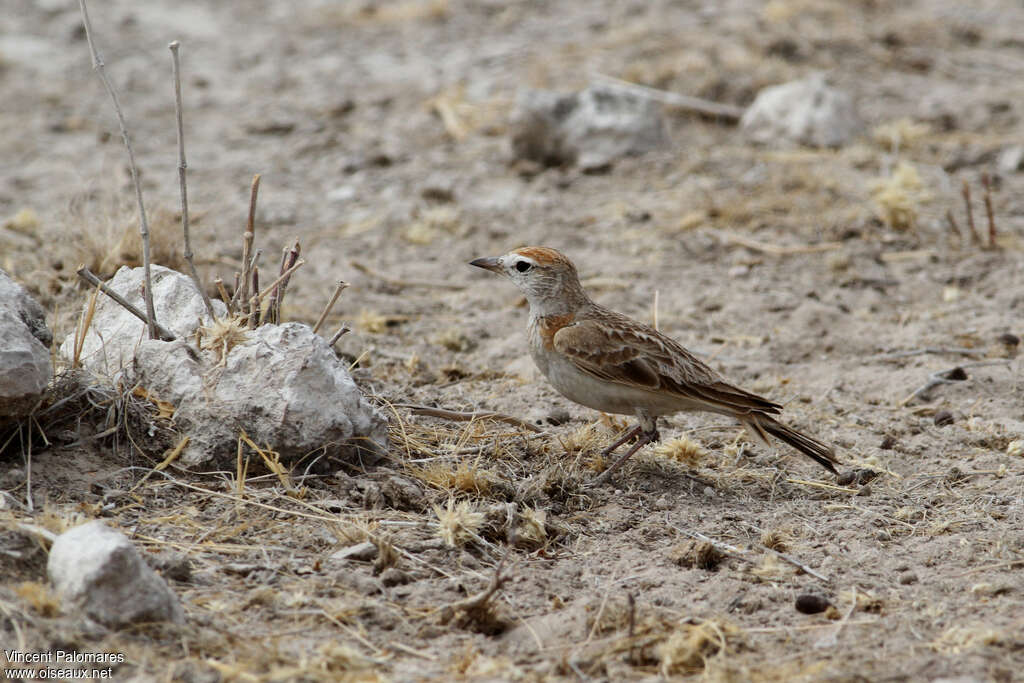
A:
[380,131]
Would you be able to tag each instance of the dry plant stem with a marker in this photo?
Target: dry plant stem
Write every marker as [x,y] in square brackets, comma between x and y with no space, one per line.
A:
[466,417]
[396,282]
[986,182]
[966,191]
[942,377]
[773,249]
[832,639]
[242,288]
[342,331]
[799,565]
[182,166]
[481,598]
[697,105]
[224,295]
[284,277]
[970,353]
[97,64]
[254,302]
[954,227]
[274,296]
[83,327]
[277,296]
[87,275]
[330,304]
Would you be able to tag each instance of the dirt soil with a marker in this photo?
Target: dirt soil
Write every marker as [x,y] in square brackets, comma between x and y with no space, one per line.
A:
[828,280]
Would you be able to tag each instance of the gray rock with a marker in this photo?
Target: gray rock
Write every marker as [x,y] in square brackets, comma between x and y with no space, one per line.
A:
[1011,159]
[24,349]
[97,571]
[115,333]
[283,385]
[807,112]
[591,128]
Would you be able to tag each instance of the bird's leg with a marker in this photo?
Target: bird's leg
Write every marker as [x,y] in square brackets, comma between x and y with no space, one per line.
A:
[626,437]
[648,430]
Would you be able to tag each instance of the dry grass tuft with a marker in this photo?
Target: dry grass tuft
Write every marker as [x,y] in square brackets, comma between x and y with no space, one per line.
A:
[532,530]
[220,336]
[458,523]
[681,449]
[899,134]
[431,224]
[40,597]
[696,554]
[899,197]
[957,639]
[689,647]
[108,237]
[777,539]
[372,321]
[464,477]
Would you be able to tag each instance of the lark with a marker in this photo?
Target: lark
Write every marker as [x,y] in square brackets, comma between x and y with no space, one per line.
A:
[609,362]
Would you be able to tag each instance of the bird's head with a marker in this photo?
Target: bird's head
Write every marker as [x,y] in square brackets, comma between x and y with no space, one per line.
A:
[545,276]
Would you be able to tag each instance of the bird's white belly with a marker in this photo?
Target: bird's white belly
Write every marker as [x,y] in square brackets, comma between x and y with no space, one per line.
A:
[608,397]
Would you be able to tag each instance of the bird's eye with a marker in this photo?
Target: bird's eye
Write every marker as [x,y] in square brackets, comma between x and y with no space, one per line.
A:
[523,266]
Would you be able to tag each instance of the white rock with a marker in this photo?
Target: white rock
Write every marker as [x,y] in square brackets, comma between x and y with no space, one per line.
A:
[591,128]
[24,349]
[807,112]
[284,386]
[1011,159]
[115,333]
[97,571]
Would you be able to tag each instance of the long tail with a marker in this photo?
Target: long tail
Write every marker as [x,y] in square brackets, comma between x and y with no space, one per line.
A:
[761,425]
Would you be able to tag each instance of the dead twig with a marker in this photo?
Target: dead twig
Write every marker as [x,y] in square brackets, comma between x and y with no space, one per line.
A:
[478,601]
[799,565]
[288,259]
[986,183]
[773,249]
[952,350]
[182,166]
[697,105]
[832,639]
[740,554]
[469,416]
[87,275]
[949,376]
[241,294]
[98,65]
[395,282]
[224,295]
[330,304]
[954,227]
[965,190]
[342,331]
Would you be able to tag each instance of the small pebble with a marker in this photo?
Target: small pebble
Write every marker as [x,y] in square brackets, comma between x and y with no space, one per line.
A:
[943,418]
[393,576]
[1009,339]
[811,604]
[864,491]
[907,578]
[846,478]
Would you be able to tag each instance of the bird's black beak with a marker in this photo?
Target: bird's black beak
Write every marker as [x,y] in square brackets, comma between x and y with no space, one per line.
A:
[490,264]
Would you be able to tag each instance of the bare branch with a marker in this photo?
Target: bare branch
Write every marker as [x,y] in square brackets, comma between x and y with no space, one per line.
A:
[182,166]
[90,277]
[97,64]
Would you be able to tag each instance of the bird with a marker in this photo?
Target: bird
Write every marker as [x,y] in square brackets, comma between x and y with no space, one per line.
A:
[612,363]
